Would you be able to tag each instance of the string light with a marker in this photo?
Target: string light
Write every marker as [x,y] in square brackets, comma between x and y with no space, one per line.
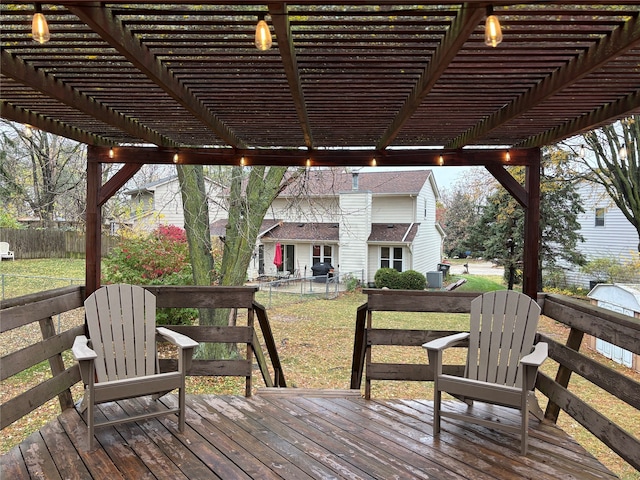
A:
[441,160]
[308,162]
[176,158]
[374,162]
[508,156]
[242,161]
[583,152]
[28,131]
[111,153]
[39,27]
[263,34]
[623,153]
[492,29]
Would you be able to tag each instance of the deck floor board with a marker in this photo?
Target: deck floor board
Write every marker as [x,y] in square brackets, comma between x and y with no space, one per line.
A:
[297,437]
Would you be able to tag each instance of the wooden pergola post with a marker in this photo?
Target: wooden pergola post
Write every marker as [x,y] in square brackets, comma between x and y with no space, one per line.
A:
[93,239]
[531,249]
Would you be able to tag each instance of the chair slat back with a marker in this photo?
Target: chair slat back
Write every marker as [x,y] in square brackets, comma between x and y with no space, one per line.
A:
[122,321]
[4,247]
[502,330]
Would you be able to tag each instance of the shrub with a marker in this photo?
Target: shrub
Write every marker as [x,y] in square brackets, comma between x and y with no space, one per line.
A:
[387,277]
[158,258]
[412,280]
[351,282]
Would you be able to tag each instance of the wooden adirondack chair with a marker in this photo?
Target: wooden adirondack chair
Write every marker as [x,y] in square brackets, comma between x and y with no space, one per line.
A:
[119,360]
[502,363]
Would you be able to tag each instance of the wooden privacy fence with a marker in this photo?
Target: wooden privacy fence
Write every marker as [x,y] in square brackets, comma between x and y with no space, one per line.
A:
[580,316]
[30,243]
[43,306]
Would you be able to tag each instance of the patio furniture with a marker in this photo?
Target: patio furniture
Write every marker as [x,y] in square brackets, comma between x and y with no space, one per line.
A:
[119,360]
[501,367]
[5,252]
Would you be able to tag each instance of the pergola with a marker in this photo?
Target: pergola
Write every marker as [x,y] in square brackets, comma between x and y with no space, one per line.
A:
[386,83]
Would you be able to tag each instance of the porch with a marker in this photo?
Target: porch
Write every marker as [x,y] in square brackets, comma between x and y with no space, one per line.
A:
[297,436]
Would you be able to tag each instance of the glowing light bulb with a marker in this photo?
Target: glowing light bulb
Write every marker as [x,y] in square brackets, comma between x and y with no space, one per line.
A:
[111,153]
[508,156]
[263,35]
[242,161]
[441,160]
[39,27]
[176,158]
[374,162]
[492,29]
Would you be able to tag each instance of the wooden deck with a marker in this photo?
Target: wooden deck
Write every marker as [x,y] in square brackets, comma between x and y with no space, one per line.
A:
[296,437]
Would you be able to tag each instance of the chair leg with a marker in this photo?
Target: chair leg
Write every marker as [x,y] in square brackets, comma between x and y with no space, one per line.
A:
[90,413]
[437,397]
[182,406]
[524,428]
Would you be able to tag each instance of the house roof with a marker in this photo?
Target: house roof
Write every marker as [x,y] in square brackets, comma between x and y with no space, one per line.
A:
[393,232]
[329,182]
[624,295]
[316,232]
[377,76]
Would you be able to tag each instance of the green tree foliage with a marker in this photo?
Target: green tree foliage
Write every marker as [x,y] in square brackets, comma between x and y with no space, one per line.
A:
[503,219]
[612,159]
[158,258]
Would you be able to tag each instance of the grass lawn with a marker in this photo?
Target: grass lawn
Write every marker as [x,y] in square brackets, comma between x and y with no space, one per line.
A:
[315,345]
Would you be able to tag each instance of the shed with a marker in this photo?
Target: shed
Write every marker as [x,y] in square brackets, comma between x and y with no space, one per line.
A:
[620,298]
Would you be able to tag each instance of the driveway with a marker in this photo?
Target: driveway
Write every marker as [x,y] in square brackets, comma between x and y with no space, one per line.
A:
[478,268]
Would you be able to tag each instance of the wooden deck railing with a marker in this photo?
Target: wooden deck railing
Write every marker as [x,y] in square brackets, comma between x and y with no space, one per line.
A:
[580,316]
[43,306]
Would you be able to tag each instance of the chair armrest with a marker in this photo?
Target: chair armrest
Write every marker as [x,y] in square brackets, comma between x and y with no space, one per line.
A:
[445,342]
[539,355]
[177,339]
[81,349]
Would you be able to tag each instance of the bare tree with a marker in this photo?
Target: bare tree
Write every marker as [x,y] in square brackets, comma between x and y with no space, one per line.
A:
[610,156]
[41,174]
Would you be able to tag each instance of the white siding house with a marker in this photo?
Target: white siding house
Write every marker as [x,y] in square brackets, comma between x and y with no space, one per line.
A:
[356,222]
[607,232]
[160,203]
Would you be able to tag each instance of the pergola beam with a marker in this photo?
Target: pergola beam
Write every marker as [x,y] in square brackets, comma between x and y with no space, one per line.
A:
[317,158]
[20,115]
[619,108]
[464,24]
[17,69]
[282,27]
[100,19]
[618,42]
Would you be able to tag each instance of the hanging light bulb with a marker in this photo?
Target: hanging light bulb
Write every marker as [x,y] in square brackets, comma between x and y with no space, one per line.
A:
[308,162]
[176,158]
[374,162]
[242,161]
[263,35]
[441,160]
[492,29]
[39,26]
[28,130]
[583,151]
[507,157]
[623,153]
[111,153]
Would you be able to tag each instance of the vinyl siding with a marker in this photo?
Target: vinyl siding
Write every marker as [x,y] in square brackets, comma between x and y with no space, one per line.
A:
[617,238]
[355,228]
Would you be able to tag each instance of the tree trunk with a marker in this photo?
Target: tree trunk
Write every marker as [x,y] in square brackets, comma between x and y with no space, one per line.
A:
[196,224]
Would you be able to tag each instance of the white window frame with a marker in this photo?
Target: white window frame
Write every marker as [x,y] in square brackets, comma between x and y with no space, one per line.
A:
[392,260]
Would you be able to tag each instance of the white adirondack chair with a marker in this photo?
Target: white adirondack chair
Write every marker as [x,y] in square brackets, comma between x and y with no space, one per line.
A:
[502,363]
[119,360]
[5,252]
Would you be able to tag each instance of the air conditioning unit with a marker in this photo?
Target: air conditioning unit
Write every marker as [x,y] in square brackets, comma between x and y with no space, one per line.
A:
[434,279]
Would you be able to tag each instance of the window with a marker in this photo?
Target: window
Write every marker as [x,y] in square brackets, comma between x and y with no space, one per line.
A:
[599,217]
[322,253]
[391,257]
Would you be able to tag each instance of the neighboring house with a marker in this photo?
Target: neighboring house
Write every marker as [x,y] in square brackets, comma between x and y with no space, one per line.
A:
[160,203]
[357,222]
[620,298]
[606,231]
